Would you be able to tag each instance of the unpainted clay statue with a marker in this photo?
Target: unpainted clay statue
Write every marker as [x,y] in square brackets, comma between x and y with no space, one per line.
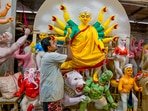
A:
[7,52]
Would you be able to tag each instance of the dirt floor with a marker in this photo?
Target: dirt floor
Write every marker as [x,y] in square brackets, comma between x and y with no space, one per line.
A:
[90,107]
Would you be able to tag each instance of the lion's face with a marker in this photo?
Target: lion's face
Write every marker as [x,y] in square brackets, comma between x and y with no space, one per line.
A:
[75,81]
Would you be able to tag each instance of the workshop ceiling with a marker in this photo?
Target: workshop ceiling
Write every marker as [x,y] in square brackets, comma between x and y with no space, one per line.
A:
[137,11]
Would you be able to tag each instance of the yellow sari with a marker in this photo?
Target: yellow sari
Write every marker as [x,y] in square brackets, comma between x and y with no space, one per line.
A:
[86,51]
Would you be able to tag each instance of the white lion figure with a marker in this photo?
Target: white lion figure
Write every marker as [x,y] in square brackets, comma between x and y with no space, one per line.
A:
[73,87]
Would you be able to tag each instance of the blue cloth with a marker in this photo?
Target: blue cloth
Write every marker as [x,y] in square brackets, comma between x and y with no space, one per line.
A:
[38,47]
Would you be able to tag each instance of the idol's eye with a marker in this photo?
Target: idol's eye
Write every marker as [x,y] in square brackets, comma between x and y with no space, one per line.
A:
[82,16]
[87,16]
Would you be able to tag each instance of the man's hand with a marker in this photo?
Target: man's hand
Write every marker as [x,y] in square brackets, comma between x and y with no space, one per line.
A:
[67,39]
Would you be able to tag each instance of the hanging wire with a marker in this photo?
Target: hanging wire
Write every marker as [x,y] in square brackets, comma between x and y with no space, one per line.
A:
[24,15]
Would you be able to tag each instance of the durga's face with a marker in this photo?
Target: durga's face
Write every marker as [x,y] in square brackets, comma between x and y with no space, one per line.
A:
[85,17]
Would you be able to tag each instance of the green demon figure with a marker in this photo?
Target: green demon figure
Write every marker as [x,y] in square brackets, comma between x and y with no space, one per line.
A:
[98,92]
